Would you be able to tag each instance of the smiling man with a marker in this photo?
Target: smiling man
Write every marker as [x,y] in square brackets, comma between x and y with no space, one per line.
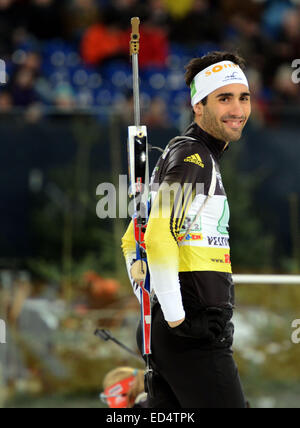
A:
[228,105]
[187,243]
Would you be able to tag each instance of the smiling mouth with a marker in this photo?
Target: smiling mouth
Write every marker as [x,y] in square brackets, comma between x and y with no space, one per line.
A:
[233,123]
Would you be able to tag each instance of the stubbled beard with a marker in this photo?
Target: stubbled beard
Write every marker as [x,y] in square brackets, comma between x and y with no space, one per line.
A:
[212,127]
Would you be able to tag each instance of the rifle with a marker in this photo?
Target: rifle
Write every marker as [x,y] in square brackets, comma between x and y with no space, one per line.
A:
[106,336]
[138,151]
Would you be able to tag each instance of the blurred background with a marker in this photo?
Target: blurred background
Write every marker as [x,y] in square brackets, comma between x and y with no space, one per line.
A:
[64,113]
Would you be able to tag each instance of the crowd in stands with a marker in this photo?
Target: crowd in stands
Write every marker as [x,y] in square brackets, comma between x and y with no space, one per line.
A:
[75,53]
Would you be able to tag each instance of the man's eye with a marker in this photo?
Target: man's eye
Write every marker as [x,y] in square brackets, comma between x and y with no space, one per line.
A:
[224,99]
[245,99]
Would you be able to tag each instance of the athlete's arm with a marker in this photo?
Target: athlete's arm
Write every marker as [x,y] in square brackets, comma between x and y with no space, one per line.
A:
[166,218]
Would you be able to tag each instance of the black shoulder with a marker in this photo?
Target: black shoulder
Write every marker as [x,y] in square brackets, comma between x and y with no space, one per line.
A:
[188,151]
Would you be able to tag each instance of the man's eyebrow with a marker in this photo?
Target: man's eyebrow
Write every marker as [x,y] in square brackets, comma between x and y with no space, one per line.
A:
[230,94]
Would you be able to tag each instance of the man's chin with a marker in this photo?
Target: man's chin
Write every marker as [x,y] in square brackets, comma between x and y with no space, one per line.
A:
[236,138]
[234,135]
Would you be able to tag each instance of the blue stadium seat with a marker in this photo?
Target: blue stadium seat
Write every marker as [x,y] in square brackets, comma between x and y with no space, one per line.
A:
[85,98]
[104,97]
[112,83]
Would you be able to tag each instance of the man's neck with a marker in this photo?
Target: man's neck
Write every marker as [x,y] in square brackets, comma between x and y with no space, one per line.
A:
[203,128]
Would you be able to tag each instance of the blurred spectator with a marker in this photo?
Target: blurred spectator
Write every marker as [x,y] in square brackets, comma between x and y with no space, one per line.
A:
[11,19]
[32,61]
[120,12]
[110,38]
[178,9]
[158,14]
[80,15]
[64,98]
[260,106]
[100,43]
[249,40]
[34,113]
[287,92]
[201,24]
[125,109]
[273,17]
[251,9]
[157,115]
[155,46]
[23,87]
[45,18]
[288,47]
[267,34]
[285,98]
[6,102]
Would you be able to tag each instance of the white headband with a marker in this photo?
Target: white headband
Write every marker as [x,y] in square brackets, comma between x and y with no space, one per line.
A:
[214,77]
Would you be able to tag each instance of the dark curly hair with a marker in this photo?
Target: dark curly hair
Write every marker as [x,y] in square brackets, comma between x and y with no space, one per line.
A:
[198,64]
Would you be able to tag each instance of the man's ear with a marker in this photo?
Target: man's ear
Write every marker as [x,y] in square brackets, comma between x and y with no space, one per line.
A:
[198,109]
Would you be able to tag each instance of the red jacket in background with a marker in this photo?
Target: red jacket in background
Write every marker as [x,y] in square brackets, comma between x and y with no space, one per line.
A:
[100,43]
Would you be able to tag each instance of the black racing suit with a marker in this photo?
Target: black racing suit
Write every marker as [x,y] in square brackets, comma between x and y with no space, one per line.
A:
[189,262]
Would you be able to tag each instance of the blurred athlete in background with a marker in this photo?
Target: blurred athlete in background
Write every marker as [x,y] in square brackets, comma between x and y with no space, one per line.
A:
[124,388]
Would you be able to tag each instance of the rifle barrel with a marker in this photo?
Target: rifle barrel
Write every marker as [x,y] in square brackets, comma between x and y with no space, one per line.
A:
[136,90]
[134,52]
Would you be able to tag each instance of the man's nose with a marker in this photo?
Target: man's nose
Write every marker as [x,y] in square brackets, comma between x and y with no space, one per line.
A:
[236,109]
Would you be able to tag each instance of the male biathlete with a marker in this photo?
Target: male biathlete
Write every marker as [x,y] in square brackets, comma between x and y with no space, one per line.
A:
[187,245]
